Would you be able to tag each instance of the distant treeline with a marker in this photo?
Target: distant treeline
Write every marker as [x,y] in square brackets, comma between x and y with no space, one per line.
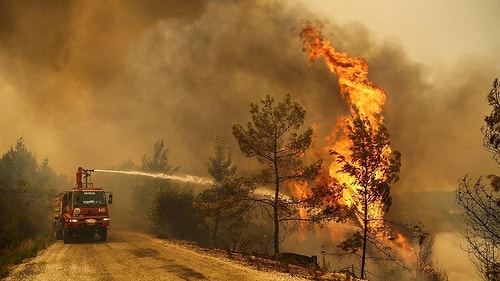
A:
[26,189]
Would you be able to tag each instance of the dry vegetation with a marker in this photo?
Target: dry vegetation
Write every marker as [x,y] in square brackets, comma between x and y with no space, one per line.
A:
[271,264]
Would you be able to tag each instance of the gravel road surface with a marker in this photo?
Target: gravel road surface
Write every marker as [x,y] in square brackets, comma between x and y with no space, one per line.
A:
[130,255]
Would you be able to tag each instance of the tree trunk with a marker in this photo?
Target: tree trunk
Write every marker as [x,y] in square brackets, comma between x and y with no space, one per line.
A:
[216,228]
[365,232]
[276,207]
[276,227]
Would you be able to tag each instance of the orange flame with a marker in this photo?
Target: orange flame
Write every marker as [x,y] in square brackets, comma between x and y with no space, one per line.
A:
[402,242]
[357,91]
[404,247]
[352,72]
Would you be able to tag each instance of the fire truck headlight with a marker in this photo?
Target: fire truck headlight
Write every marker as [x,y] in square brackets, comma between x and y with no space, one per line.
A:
[105,219]
[73,220]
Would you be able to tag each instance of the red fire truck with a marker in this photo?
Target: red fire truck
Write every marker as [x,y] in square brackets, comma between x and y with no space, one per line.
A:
[82,211]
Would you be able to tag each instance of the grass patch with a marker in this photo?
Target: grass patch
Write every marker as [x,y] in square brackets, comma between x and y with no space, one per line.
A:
[28,248]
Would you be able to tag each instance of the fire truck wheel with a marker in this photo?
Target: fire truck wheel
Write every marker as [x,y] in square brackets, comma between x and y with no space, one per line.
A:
[66,236]
[104,234]
[58,234]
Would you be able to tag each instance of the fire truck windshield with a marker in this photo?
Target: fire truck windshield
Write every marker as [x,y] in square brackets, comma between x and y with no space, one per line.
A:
[89,198]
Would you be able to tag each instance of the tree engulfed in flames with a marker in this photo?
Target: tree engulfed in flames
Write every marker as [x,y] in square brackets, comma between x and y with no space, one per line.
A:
[360,94]
[365,164]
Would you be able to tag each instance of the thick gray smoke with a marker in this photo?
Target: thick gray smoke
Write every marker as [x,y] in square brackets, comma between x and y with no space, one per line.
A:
[94,83]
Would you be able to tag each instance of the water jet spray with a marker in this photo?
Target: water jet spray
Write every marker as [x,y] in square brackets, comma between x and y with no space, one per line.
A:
[182,178]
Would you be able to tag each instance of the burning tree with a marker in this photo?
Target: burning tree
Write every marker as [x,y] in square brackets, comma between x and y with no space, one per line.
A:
[273,139]
[479,202]
[364,163]
[371,170]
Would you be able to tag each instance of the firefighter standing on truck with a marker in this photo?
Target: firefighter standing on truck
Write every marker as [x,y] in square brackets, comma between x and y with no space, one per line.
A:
[79,175]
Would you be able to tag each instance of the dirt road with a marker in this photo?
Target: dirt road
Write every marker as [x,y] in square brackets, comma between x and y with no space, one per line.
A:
[129,255]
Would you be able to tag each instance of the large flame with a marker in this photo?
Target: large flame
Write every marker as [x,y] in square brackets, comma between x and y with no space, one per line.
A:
[358,92]
[352,72]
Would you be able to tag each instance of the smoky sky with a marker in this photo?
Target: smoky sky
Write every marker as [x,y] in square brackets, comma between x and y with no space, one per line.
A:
[95,83]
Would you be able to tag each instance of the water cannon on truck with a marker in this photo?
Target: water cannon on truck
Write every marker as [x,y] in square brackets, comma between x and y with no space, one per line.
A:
[83,210]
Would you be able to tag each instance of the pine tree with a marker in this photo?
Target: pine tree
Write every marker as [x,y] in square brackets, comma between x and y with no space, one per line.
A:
[274,140]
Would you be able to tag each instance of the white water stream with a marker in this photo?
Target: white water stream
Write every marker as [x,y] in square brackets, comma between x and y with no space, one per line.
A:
[182,178]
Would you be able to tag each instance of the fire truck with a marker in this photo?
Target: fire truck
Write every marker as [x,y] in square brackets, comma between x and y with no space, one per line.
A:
[82,211]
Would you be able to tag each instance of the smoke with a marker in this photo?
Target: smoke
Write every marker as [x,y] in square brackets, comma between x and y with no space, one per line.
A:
[448,250]
[95,83]
[93,87]
[102,87]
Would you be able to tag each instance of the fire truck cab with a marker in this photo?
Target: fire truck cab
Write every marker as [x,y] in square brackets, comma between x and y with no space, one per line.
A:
[82,211]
